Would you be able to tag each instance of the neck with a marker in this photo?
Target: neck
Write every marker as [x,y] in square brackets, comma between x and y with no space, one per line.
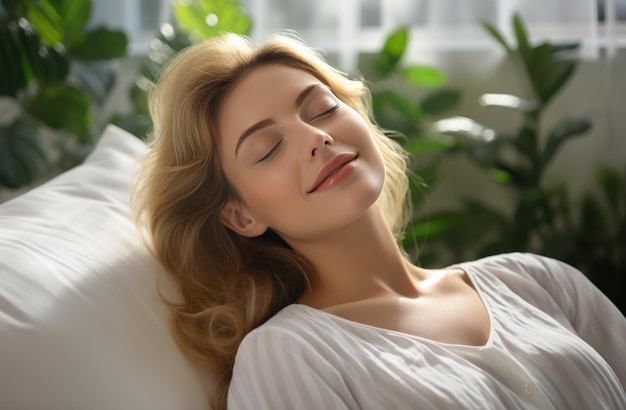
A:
[357,262]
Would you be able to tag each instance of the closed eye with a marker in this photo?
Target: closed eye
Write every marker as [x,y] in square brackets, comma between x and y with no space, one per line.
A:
[331,110]
[271,152]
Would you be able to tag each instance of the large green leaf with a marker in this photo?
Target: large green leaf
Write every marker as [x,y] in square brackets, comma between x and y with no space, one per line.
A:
[11,9]
[64,108]
[22,158]
[393,50]
[59,21]
[549,67]
[435,225]
[485,153]
[521,36]
[96,78]
[424,76]
[537,61]
[613,188]
[209,18]
[563,131]
[594,223]
[27,59]
[14,69]
[101,44]
[441,101]
[497,36]
[526,141]
[558,75]
[403,104]
[429,144]
[50,67]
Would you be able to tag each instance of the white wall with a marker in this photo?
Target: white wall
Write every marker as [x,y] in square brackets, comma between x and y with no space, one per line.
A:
[597,87]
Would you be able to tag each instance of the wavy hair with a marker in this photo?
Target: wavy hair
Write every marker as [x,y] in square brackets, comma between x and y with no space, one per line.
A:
[230,284]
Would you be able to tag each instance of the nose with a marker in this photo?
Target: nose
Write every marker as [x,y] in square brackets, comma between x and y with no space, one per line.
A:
[317,141]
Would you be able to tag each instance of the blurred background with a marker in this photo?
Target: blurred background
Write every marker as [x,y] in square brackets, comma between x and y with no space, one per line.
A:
[512,111]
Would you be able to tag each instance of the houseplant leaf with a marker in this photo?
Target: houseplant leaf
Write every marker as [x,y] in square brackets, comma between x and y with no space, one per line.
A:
[434,225]
[497,36]
[100,44]
[22,158]
[15,73]
[429,144]
[521,36]
[558,75]
[66,108]
[594,223]
[392,50]
[402,104]
[613,188]
[563,131]
[96,78]
[424,76]
[441,101]
[208,18]
[53,67]
[59,21]
[10,8]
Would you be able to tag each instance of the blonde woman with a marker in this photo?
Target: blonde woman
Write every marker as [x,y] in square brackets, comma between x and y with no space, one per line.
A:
[275,201]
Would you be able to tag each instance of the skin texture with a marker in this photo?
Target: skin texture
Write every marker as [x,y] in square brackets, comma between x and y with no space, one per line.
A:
[275,167]
[275,139]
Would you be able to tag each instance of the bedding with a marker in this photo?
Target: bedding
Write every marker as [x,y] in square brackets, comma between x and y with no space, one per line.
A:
[81,322]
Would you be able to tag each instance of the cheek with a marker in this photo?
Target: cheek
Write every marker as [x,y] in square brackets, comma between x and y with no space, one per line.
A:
[356,127]
[270,190]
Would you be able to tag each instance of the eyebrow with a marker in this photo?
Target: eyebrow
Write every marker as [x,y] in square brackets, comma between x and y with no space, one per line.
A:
[268,121]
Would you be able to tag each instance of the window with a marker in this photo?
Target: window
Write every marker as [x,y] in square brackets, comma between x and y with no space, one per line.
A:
[344,28]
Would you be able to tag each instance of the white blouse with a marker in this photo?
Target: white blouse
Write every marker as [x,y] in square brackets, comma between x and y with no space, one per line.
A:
[555,343]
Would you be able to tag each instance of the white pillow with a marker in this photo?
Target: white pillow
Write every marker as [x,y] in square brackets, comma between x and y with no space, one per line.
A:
[81,323]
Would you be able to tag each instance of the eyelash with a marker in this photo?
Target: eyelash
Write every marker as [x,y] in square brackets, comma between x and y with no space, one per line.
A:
[271,152]
[331,110]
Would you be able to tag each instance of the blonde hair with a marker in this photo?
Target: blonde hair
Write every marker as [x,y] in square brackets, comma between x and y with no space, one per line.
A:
[230,284]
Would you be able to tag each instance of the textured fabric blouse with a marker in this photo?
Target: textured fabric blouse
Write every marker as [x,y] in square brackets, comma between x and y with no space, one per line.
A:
[555,343]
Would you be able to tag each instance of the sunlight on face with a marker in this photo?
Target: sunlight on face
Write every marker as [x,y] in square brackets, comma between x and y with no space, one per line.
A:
[304,162]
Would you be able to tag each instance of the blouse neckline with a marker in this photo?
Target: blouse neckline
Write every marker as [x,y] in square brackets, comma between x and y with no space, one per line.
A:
[467,269]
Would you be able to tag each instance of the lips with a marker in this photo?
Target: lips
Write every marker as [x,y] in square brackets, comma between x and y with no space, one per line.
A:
[330,168]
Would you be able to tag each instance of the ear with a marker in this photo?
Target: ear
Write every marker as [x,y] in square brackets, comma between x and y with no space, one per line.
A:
[235,217]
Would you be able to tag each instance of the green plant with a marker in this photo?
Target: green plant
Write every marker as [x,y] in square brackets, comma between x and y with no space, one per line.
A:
[590,235]
[407,99]
[194,21]
[53,73]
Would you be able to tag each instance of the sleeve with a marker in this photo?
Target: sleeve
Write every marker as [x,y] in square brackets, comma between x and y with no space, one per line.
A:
[278,369]
[591,314]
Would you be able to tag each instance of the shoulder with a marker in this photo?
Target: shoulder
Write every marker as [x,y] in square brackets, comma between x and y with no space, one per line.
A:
[541,280]
[296,330]
[522,266]
[515,260]
[286,326]
[286,363]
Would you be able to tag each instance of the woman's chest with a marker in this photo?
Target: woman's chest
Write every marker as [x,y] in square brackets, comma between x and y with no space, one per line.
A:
[449,311]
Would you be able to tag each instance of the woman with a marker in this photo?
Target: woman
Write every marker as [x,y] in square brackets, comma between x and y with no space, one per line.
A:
[275,201]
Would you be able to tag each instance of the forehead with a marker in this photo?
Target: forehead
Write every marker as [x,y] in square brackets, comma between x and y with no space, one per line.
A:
[260,93]
[267,82]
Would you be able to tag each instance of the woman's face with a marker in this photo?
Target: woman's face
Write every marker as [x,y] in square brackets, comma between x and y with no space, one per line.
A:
[303,162]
